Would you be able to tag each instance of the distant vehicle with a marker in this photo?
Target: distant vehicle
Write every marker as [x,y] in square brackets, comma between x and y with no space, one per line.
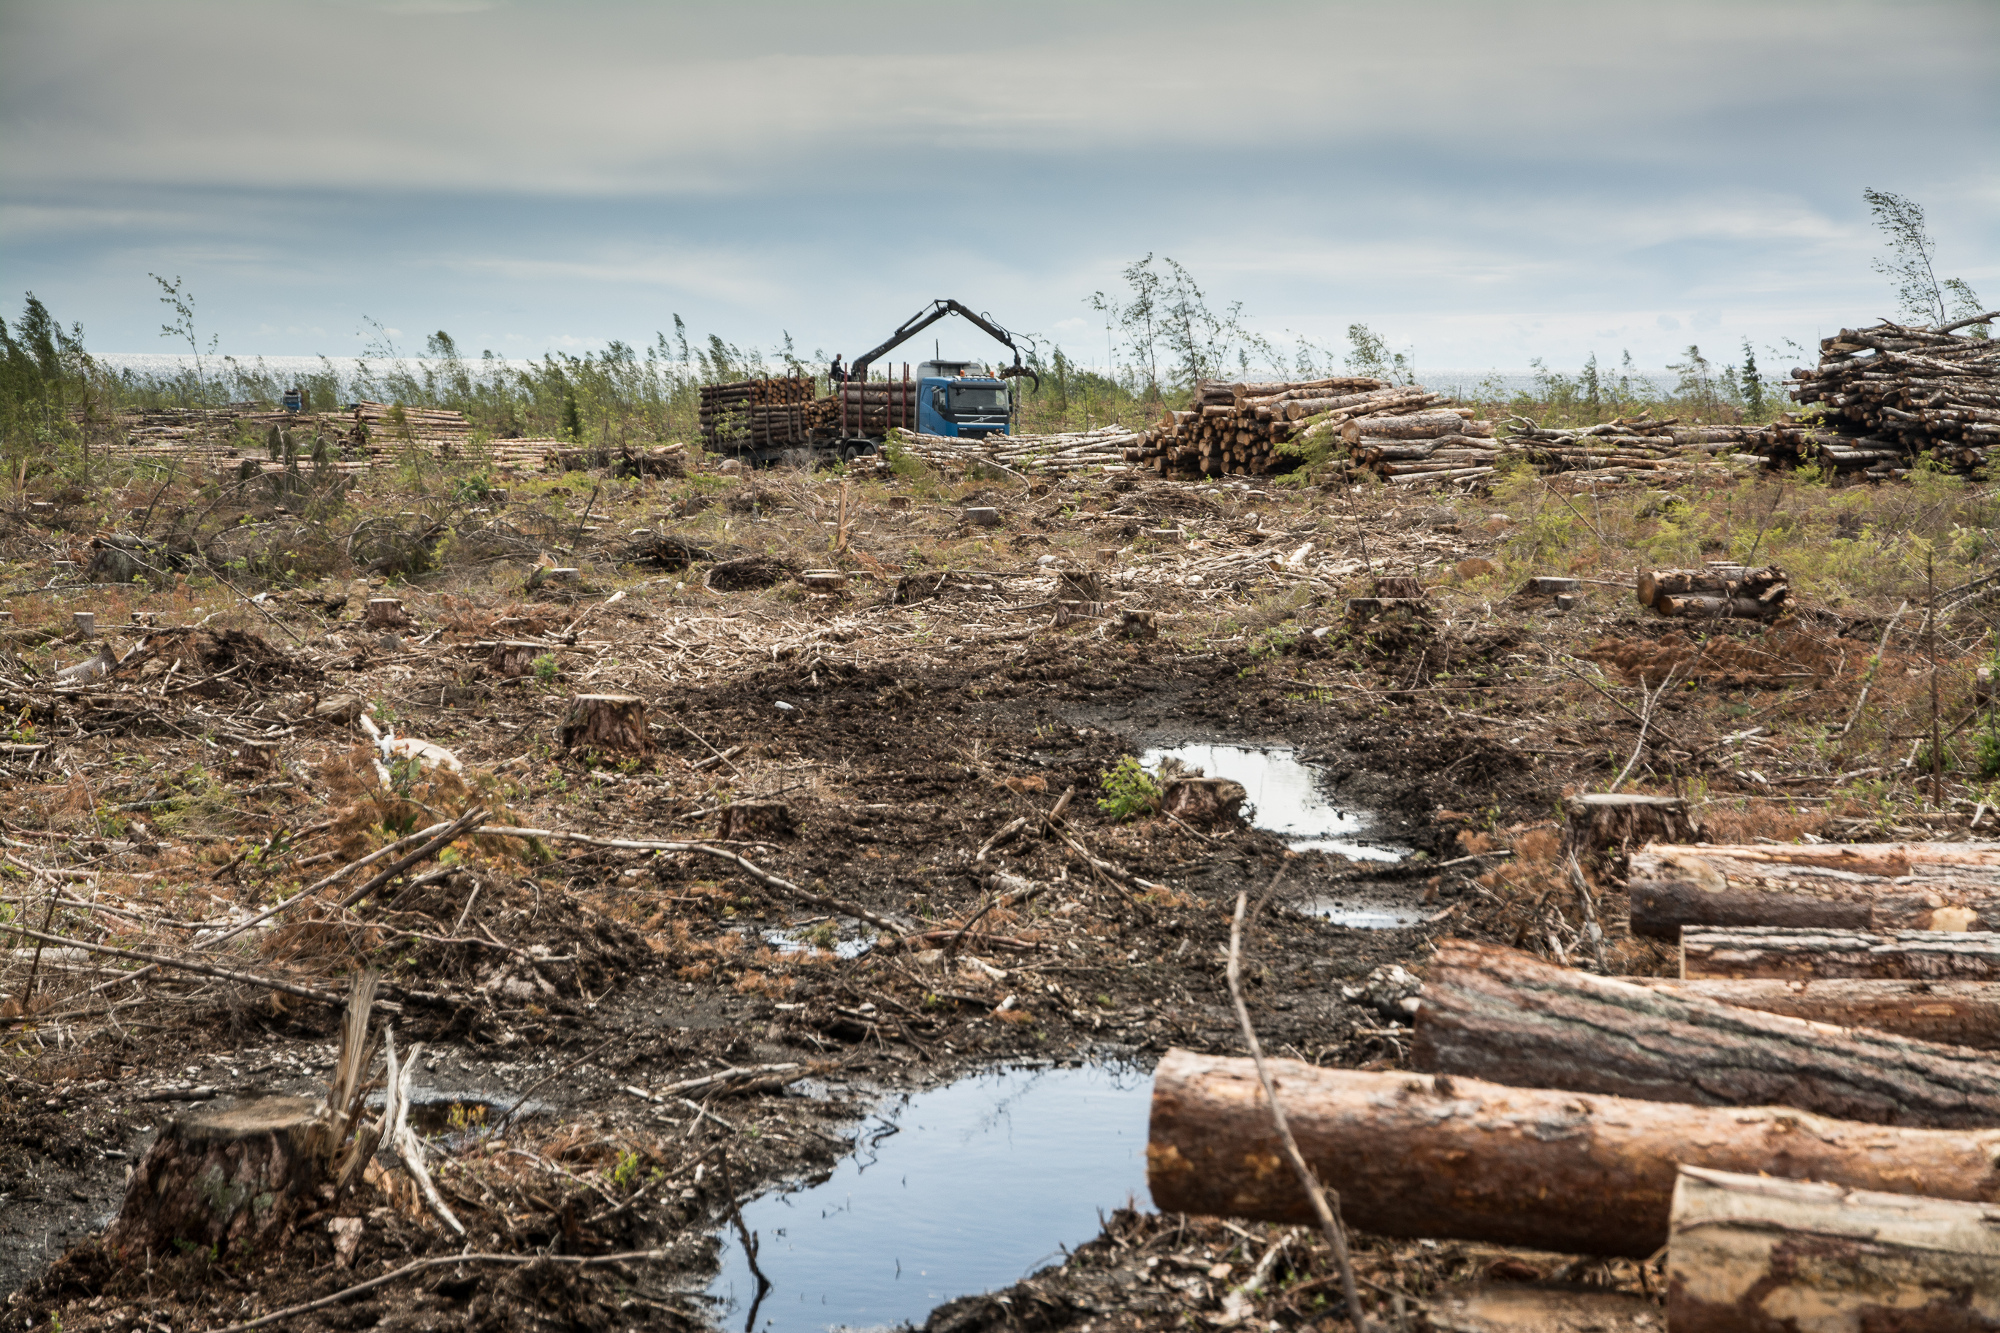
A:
[295,400]
[763,421]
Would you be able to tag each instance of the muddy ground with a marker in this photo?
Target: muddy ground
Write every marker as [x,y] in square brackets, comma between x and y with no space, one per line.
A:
[892,730]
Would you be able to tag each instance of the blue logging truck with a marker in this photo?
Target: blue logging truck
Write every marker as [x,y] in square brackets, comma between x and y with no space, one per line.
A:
[769,420]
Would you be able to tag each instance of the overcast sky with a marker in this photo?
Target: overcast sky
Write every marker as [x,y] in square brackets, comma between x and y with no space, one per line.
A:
[1481,182]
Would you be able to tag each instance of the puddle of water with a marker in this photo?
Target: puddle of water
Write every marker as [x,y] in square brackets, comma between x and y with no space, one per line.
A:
[1286,797]
[953,1191]
[799,941]
[1365,918]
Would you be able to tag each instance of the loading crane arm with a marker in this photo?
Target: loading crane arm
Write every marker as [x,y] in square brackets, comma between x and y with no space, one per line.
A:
[930,315]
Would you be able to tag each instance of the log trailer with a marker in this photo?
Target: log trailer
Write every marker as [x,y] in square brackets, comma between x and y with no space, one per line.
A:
[760,421]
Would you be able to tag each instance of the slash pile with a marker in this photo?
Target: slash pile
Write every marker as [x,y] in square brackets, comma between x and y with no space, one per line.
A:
[1894,391]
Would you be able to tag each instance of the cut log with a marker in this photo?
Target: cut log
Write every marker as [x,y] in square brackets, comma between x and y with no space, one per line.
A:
[1715,580]
[606,724]
[1957,1013]
[1518,1307]
[1698,607]
[1601,821]
[1751,1255]
[229,1180]
[1822,886]
[1806,955]
[1507,1017]
[1434,1156]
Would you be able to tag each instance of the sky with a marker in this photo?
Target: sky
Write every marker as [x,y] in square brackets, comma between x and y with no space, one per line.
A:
[1480,183]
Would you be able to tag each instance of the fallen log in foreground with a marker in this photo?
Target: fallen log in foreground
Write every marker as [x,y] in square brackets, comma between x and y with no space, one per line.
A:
[1419,1155]
[1804,955]
[1827,887]
[1958,1013]
[1508,1017]
[1749,1255]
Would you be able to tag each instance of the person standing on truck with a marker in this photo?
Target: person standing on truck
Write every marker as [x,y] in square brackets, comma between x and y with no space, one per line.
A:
[837,373]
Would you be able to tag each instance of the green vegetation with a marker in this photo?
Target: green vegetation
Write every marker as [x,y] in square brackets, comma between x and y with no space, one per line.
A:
[1129,790]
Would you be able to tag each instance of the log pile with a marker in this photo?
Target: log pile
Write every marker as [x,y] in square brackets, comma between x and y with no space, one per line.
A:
[1243,427]
[1606,1115]
[392,422]
[1638,447]
[874,407]
[1719,590]
[1894,391]
[775,411]
[1069,451]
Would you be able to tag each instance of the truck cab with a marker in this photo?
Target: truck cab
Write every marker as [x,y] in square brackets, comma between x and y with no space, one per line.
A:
[952,401]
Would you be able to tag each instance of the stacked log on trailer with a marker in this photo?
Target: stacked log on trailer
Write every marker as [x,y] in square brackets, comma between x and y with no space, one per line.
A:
[1894,391]
[1836,1021]
[875,407]
[776,411]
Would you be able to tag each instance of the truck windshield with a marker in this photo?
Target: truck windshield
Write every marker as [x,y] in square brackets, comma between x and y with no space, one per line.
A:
[979,398]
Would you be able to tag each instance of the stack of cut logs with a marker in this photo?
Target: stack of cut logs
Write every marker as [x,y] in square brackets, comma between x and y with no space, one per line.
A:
[1241,428]
[1895,391]
[1718,591]
[393,421]
[775,411]
[1836,1020]
[1422,446]
[1070,451]
[875,407]
[1636,446]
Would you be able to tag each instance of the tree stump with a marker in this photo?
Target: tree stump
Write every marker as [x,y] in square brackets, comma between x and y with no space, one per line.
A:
[511,659]
[1078,585]
[227,1180]
[386,613]
[981,516]
[823,580]
[607,724]
[1137,625]
[1202,801]
[1400,587]
[753,821]
[1605,822]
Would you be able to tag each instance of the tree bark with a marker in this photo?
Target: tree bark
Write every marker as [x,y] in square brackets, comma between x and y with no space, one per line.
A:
[1808,955]
[1957,1013]
[1750,1255]
[1518,1307]
[1719,580]
[1826,888]
[1697,607]
[1507,1017]
[227,1180]
[607,724]
[1413,426]
[1434,1156]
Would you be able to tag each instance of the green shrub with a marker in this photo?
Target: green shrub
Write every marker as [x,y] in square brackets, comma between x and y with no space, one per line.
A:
[1129,790]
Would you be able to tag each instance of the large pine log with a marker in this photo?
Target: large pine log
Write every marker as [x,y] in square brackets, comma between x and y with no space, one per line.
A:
[1804,955]
[1957,1013]
[1434,1156]
[1751,1255]
[1507,1017]
[1828,886]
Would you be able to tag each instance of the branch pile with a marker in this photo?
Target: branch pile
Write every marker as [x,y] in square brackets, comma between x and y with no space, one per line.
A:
[1894,391]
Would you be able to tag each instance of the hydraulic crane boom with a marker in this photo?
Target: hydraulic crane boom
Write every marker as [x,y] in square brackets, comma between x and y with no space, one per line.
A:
[930,315]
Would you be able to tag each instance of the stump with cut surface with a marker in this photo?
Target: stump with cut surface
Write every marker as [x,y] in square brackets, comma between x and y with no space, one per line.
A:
[1748,1254]
[1204,801]
[229,1180]
[1508,1017]
[753,821]
[606,724]
[1605,821]
[386,613]
[1417,1155]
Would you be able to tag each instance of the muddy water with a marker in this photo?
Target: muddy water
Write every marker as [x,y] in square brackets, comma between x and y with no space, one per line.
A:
[950,1192]
[1286,799]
